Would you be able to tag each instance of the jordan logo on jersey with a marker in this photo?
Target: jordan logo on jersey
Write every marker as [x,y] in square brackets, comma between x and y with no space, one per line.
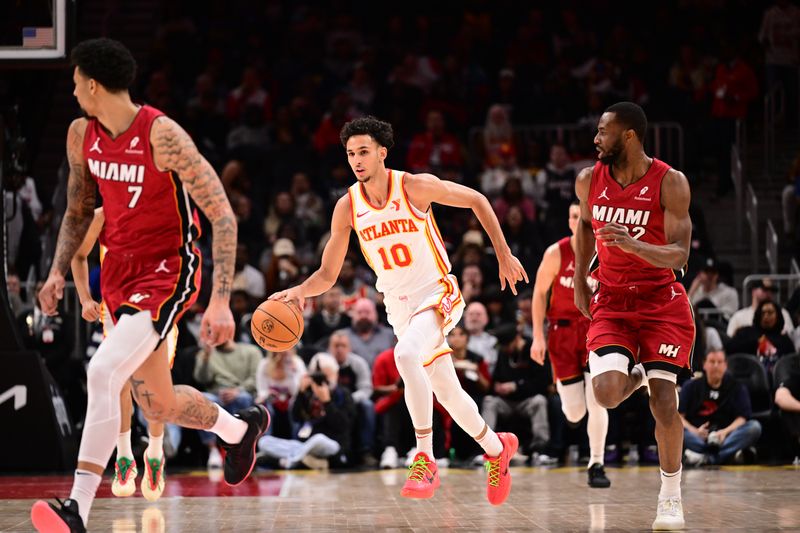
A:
[400,225]
[674,294]
[96,147]
[116,171]
[604,194]
[163,267]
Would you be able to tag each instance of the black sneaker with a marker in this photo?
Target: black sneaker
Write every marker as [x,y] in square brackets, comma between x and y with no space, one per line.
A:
[46,517]
[241,458]
[597,477]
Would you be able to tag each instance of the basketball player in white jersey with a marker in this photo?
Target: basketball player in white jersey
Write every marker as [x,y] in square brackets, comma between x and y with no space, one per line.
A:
[390,212]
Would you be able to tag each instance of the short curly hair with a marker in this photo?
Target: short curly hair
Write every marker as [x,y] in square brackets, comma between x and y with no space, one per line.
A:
[377,129]
[106,61]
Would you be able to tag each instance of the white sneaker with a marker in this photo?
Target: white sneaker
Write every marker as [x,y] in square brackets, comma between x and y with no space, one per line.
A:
[214,459]
[543,459]
[693,458]
[669,516]
[315,463]
[389,458]
[443,462]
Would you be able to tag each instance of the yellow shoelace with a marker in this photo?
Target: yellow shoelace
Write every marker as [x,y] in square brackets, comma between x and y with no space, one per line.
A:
[418,469]
[493,468]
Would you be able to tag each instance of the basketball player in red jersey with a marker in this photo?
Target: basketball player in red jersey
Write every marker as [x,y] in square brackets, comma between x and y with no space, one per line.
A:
[635,212]
[566,344]
[146,168]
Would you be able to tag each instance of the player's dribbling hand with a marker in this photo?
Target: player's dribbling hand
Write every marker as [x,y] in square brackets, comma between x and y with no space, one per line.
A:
[90,310]
[613,234]
[217,325]
[511,272]
[538,349]
[583,295]
[51,292]
[291,294]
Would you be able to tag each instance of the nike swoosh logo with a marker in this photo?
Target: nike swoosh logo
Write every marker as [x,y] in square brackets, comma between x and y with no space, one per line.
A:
[361,214]
[430,480]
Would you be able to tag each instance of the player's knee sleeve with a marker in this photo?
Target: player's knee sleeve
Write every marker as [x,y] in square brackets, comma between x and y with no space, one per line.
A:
[119,355]
[609,362]
[573,400]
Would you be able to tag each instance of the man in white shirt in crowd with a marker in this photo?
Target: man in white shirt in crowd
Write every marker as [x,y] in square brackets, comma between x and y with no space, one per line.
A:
[707,286]
[482,343]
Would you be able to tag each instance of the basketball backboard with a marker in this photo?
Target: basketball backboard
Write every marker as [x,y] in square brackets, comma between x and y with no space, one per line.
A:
[34,30]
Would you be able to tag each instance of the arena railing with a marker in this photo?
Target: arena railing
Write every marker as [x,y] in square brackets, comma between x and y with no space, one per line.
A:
[774,111]
[751,213]
[785,284]
[665,140]
[737,176]
[771,249]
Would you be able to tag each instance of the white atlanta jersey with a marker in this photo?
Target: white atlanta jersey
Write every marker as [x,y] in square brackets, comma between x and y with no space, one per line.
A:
[401,244]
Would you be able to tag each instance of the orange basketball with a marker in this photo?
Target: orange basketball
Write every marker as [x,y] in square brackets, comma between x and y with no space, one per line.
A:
[277,325]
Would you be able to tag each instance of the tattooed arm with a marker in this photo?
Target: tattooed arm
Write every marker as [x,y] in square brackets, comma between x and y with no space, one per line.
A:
[174,150]
[77,218]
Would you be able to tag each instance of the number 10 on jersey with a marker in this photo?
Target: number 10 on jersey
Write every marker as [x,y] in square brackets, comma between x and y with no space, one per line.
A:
[399,255]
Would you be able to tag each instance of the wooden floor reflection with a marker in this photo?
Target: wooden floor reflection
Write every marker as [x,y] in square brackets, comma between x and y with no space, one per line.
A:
[729,499]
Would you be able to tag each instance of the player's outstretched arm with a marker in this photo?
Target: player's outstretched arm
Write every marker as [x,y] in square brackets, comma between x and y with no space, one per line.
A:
[584,243]
[174,150]
[80,268]
[425,189]
[332,258]
[545,275]
[675,198]
[77,218]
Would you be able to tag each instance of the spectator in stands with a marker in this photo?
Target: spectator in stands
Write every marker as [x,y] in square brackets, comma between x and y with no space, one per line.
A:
[707,290]
[525,314]
[249,92]
[707,339]
[277,383]
[512,196]
[247,277]
[764,337]
[355,376]
[523,237]
[733,88]
[760,291]
[14,292]
[480,342]
[284,268]
[475,378]
[326,139]
[328,319]
[282,212]
[780,34]
[787,399]
[353,288]
[555,191]
[361,89]
[368,338]
[228,372]
[326,415]
[497,133]
[252,133]
[308,205]
[715,411]
[25,217]
[435,149]
[494,179]
[520,387]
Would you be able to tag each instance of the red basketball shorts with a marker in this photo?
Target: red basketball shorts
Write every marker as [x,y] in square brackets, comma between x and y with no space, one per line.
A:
[166,285]
[566,345]
[651,325]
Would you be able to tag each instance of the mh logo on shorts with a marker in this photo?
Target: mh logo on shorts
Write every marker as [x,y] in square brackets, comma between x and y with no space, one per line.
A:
[670,350]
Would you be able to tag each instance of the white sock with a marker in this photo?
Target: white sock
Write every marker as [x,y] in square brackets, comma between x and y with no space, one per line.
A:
[670,485]
[155,448]
[83,490]
[425,443]
[124,445]
[490,443]
[596,426]
[228,427]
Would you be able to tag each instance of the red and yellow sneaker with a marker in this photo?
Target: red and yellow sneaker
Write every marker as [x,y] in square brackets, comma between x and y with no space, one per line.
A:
[423,478]
[125,472]
[153,479]
[498,483]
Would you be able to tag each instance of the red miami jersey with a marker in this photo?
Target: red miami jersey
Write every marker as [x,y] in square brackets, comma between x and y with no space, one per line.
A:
[562,294]
[638,207]
[148,211]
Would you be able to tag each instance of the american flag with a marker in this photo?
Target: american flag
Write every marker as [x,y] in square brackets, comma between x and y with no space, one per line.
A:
[38,37]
